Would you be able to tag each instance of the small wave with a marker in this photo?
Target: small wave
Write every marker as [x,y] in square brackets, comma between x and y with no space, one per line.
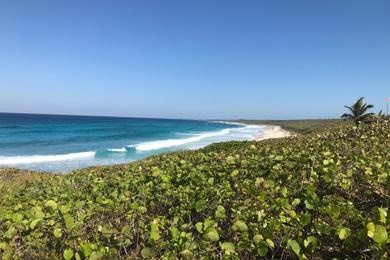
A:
[12,160]
[227,123]
[118,150]
[154,145]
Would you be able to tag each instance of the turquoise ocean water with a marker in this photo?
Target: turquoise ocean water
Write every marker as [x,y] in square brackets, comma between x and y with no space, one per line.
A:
[63,143]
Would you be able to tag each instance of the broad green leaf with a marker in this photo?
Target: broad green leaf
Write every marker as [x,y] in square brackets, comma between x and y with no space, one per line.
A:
[278,158]
[211,235]
[87,250]
[34,223]
[296,202]
[230,159]
[51,204]
[199,227]
[258,238]
[10,232]
[208,223]
[174,232]
[382,214]
[294,246]
[380,235]
[57,233]
[17,217]
[284,191]
[220,212]
[262,248]
[240,226]
[344,233]
[69,222]
[305,219]
[154,232]
[199,205]
[148,252]
[292,213]
[68,254]
[270,243]
[370,229]
[228,247]
[309,240]
[187,254]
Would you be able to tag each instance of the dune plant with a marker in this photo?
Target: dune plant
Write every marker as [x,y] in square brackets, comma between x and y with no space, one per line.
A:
[324,195]
[358,112]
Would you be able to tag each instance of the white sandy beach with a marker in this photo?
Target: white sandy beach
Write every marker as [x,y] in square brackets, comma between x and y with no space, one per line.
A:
[272,131]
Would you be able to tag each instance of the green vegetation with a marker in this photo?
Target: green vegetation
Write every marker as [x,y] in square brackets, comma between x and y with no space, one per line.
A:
[358,112]
[304,126]
[321,195]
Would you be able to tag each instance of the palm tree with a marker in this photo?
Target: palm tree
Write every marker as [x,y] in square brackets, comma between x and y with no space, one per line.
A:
[358,111]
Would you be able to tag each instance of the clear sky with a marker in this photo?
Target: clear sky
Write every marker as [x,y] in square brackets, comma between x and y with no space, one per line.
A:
[194,59]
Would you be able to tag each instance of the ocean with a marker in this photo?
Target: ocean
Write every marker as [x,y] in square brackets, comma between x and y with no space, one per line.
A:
[59,143]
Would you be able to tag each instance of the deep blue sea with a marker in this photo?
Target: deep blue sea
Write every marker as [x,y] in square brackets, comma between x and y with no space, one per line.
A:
[62,143]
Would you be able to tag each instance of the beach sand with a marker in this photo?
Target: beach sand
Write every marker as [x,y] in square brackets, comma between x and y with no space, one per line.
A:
[272,131]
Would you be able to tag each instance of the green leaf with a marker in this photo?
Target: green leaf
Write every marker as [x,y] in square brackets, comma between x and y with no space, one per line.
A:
[220,212]
[278,158]
[154,232]
[370,229]
[199,227]
[174,232]
[292,213]
[87,250]
[308,204]
[57,233]
[3,246]
[382,214]
[270,243]
[284,191]
[17,217]
[69,222]
[208,223]
[37,212]
[258,238]
[199,205]
[262,248]
[68,254]
[305,219]
[148,252]
[230,159]
[10,232]
[296,202]
[211,235]
[187,254]
[294,246]
[228,247]
[51,204]
[309,240]
[380,235]
[240,226]
[34,223]
[344,233]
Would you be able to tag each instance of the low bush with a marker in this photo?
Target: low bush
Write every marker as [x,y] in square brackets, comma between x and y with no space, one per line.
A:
[321,195]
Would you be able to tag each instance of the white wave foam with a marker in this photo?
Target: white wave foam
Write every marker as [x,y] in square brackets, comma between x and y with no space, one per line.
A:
[154,145]
[118,150]
[12,160]
[242,133]
[228,123]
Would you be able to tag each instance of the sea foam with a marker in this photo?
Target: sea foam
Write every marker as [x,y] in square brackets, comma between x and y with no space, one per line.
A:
[161,144]
[12,160]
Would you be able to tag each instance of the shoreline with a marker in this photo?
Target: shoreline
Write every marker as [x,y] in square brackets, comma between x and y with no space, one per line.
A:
[271,132]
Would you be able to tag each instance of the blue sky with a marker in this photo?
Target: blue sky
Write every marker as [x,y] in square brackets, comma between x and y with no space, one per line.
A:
[194,59]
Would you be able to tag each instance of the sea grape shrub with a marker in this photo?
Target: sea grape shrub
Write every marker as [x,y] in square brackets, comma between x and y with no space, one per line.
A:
[321,195]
